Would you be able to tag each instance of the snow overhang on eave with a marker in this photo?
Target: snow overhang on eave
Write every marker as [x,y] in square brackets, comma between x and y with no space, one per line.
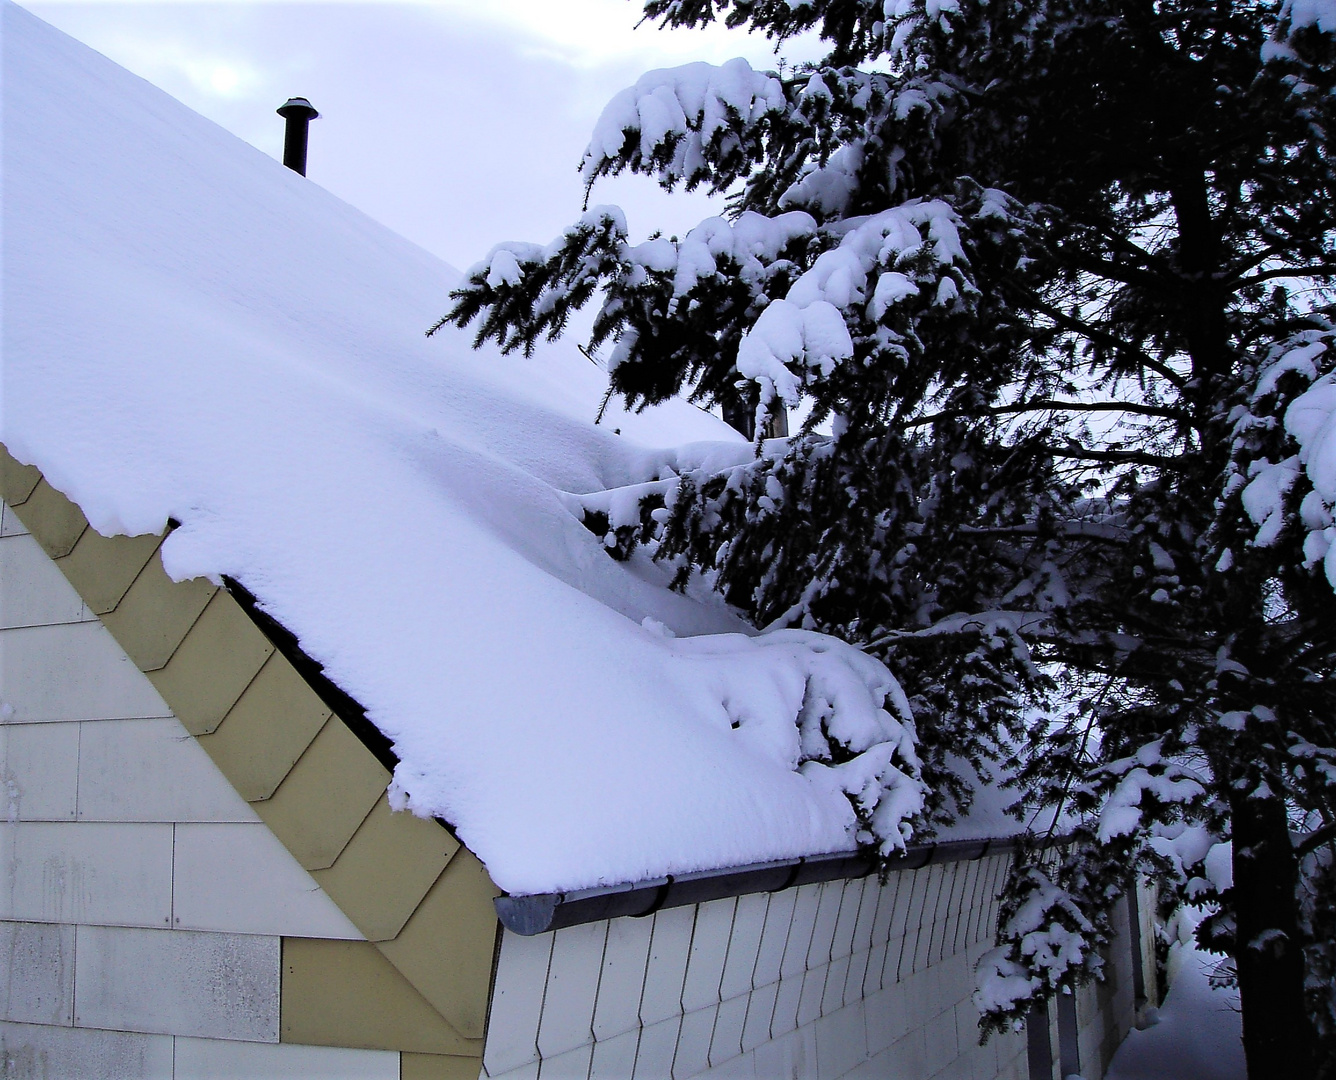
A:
[539,912]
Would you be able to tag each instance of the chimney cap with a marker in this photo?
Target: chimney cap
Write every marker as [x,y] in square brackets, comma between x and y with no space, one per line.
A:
[297,108]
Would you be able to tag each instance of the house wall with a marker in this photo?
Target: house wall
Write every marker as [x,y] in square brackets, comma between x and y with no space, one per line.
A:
[1106,1011]
[152,925]
[143,904]
[846,978]
[1084,1031]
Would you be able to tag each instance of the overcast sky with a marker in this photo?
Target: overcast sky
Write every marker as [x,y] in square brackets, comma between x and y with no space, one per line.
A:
[458,124]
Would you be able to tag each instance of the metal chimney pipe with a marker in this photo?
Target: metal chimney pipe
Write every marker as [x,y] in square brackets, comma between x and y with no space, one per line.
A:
[299,114]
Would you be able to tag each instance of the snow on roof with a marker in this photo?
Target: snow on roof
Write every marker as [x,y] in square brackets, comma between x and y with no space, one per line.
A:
[193,332]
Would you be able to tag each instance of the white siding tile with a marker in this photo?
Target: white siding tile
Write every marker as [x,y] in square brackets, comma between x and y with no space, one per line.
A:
[738,1068]
[524,1072]
[615,1058]
[572,983]
[10,525]
[851,902]
[623,978]
[892,970]
[995,889]
[726,1042]
[912,920]
[881,922]
[709,948]
[34,1052]
[823,928]
[940,1035]
[517,1002]
[215,1059]
[841,1042]
[237,877]
[793,1055]
[867,911]
[951,981]
[876,961]
[975,899]
[658,1044]
[809,1002]
[693,1043]
[837,975]
[853,985]
[886,1018]
[974,929]
[934,916]
[968,891]
[40,766]
[71,672]
[918,936]
[221,986]
[918,999]
[152,770]
[33,591]
[957,938]
[118,874]
[744,944]
[920,920]
[992,883]
[37,973]
[760,1011]
[572,1065]
[787,998]
[967,1026]
[666,972]
[909,884]
[910,1055]
[800,930]
[778,919]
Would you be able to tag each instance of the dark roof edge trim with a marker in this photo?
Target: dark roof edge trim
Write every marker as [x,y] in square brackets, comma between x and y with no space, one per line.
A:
[340,703]
[539,912]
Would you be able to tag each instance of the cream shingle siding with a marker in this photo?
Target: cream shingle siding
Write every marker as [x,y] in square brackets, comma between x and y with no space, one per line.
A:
[845,978]
[142,902]
[420,984]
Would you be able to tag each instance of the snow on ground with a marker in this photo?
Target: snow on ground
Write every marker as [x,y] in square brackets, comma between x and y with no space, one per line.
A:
[192,331]
[1196,1033]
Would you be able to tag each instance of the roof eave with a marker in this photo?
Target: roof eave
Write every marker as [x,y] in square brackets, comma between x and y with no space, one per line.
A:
[539,912]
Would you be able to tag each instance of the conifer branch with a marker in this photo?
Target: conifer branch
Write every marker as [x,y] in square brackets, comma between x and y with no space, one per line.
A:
[1053,405]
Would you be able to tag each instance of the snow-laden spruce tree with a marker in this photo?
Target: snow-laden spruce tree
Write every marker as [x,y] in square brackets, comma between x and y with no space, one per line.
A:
[1049,281]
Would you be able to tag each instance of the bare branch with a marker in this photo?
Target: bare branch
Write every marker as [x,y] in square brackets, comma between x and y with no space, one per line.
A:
[1120,457]
[1051,405]
[1319,270]
[1102,337]
[1315,840]
[1085,530]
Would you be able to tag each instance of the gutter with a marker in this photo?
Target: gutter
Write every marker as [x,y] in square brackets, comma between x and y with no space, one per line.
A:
[540,912]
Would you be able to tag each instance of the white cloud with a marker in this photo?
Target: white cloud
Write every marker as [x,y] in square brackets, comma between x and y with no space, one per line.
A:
[459,123]
[579,32]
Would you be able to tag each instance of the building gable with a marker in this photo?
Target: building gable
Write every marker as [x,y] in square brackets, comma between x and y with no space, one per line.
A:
[420,981]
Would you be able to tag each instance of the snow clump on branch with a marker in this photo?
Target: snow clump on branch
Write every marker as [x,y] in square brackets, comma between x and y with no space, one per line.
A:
[677,121]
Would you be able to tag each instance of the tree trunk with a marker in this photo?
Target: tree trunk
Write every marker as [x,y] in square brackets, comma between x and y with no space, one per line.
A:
[1277,1036]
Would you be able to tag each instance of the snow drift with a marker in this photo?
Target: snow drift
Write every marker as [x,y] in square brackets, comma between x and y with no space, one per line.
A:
[192,331]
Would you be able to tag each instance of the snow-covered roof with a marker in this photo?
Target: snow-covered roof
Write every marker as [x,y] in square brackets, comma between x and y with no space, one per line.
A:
[194,333]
